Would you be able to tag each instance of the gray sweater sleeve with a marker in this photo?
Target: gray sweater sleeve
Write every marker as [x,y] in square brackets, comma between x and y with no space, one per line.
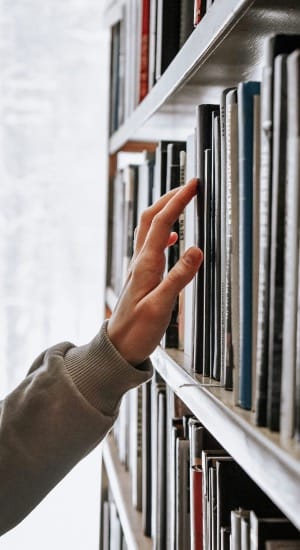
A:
[59,413]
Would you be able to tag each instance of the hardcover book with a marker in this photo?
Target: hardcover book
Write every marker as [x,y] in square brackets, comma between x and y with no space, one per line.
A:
[246,93]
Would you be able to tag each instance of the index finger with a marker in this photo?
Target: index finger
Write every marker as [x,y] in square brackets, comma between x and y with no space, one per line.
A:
[159,232]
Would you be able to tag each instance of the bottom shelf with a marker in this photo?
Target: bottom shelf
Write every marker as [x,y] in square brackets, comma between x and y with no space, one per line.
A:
[120,485]
[275,467]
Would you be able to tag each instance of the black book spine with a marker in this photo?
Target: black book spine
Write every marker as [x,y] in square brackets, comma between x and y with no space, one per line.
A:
[203,142]
[277,244]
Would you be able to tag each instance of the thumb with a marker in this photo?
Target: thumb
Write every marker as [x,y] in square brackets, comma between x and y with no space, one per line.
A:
[180,275]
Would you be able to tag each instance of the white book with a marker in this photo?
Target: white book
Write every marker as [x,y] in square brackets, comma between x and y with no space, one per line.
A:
[245,533]
[135,435]
[291,251]
[189,240]
[182,497]
[128,229]
[232,244]
[115,529]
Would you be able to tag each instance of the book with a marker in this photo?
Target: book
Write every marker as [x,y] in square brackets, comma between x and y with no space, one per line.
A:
[136,447]
[203,142]
[200,439]
[167,34]
[282,545]
[114,528]
[181,247]
[263,529]
[245,533]
[144,59]
[105,526]
[160,171]
[223,225]
[277,242]
[190,240]
[255,238]
[147,459]
[231,262]
[225,538]
[217,248]
[199,11]
[274,45]
[246,92]
[176,431]
[196,479]
[114,76]
[130,215]
[186,20]
[235,489]
[291,251]
[207,253]
[160,535]
[209,458]
[237,539]
[152,43]
[172,253]
[182,522]
[157,386]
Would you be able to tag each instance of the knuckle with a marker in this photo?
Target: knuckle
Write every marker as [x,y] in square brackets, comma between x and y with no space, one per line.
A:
[159,219]
[146,217]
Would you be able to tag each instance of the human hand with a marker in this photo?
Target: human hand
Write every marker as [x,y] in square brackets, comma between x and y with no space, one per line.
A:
[144,308]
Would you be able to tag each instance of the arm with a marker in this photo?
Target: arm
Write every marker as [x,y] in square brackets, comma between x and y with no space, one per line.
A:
[70,397]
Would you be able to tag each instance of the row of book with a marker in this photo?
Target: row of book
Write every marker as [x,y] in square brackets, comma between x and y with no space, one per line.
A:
[191,493]
[239,322]
[151,32]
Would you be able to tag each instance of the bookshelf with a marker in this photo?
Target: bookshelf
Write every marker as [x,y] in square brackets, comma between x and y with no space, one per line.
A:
[120,484]
[208,62]
[221,53]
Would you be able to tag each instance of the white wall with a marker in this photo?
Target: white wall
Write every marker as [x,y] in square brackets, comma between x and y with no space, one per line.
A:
[53,167]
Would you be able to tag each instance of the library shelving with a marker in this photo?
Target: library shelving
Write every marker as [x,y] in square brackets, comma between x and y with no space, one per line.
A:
[227,47]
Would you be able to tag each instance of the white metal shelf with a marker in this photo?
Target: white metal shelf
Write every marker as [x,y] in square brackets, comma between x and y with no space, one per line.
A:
[120,485]
[272,465]
[225,48]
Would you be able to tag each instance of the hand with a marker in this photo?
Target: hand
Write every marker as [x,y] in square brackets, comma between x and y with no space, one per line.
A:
[144,308]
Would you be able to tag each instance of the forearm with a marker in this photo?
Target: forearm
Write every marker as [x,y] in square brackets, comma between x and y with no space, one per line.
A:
[59,413]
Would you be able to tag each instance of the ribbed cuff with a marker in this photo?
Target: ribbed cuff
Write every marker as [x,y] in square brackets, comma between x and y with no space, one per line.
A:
[101,374]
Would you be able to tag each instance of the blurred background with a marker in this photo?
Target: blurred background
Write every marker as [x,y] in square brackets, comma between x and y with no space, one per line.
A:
[53,170]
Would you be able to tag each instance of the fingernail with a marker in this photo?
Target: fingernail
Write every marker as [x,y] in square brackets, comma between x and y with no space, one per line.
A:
[193,256]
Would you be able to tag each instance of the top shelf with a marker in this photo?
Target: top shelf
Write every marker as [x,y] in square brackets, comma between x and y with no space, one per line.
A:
[208,62]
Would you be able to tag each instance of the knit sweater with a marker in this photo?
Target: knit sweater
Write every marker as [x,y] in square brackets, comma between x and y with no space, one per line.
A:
[58,414]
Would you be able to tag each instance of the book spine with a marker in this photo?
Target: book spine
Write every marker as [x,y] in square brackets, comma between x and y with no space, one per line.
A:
[255,238]
[246,91]
[144,65]
[231,240]
[206,367]
[181,236]
[277,244]
[291,250]
[217,251]
[264,249]
[190,240]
